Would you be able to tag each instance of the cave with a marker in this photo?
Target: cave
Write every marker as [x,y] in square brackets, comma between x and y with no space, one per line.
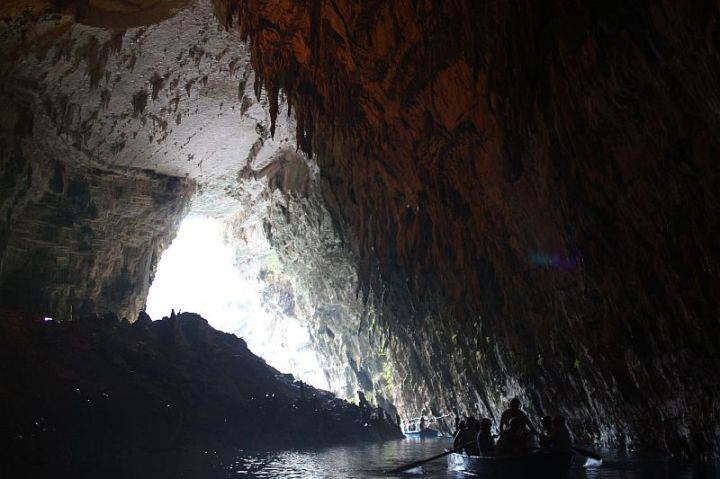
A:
[439,206]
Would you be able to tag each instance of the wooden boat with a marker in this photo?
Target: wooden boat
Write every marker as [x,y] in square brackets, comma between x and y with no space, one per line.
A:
[539,464]
[424,434]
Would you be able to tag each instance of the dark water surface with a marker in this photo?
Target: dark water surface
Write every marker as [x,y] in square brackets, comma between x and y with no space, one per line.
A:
[371,460]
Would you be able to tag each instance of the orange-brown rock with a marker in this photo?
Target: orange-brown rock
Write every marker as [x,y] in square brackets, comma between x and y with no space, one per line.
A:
[531,190]
[111,14]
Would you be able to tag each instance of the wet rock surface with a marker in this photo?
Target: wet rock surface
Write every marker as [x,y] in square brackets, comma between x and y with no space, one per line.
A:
[531,193]
[99,391]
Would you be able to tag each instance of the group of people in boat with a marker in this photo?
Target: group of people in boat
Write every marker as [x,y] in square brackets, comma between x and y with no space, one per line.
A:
[516,434]
[410,426]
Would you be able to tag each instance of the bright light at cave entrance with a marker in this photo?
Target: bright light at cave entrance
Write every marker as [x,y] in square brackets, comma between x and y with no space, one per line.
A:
[197,273]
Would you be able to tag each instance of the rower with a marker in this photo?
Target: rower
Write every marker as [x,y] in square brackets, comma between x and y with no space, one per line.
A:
[467,434]
[547,425]
[559,438]
[516,439]
[514,412]
[485,439]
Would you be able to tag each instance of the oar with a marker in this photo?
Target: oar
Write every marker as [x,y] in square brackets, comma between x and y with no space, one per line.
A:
[584,452]
[587,452]
[423,461]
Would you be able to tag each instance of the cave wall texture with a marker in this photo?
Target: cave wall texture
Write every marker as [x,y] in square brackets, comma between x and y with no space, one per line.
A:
[81,232]
[115,125]
[111,124]
[320,274]
[531,192]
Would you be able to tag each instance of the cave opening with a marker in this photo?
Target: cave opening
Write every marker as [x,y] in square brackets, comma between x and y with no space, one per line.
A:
[205,271]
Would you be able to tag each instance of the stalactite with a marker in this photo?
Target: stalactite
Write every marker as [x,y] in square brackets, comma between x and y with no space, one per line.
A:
[502,127]
[224,11]
[309,131]
[315,31]
[274,67]
[300,128]
[273,92]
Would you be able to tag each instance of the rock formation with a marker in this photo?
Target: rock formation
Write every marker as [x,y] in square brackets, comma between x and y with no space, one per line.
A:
[101,392]
[107,133]
[530,191]
[148,120]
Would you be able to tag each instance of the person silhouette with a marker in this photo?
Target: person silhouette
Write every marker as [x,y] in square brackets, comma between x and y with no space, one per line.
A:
[486,443]
[514,411]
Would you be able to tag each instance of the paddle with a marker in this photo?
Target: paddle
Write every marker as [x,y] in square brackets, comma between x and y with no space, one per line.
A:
[423,461]
[586,452]
[583,451]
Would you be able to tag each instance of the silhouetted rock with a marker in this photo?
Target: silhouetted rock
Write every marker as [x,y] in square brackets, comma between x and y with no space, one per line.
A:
[98,391]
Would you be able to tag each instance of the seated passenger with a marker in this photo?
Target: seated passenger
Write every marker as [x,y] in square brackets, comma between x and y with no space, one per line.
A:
[547,425]
[485,440]
[514,411]
[516,440]
[559,438]
[467,437]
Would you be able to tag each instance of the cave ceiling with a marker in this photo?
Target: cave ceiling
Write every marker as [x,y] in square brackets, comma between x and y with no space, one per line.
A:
[173,97]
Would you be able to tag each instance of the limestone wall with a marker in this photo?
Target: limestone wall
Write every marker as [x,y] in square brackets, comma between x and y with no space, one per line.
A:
[531,191]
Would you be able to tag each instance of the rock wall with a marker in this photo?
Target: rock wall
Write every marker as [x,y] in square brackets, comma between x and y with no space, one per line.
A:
[285,237]
[145,119]
[111,122]
[76,239]
[322,275]
[81,229]
[531,192]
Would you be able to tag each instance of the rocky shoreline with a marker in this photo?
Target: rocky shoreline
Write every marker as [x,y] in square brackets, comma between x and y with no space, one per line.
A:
[100,390]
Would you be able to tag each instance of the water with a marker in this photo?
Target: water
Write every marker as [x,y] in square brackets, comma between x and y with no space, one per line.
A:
[371,460]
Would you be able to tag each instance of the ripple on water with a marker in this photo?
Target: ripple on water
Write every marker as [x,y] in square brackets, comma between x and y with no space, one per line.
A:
[366,461]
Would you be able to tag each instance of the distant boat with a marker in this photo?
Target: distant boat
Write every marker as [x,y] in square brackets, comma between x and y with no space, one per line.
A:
[539,464]
[424,434]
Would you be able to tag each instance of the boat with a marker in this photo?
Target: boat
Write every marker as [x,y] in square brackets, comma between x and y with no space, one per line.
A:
[538,464]
[426,433]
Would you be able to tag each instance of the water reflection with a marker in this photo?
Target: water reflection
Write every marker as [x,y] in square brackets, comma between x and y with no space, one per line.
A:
[629,466]
[290,465]
[371,460]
